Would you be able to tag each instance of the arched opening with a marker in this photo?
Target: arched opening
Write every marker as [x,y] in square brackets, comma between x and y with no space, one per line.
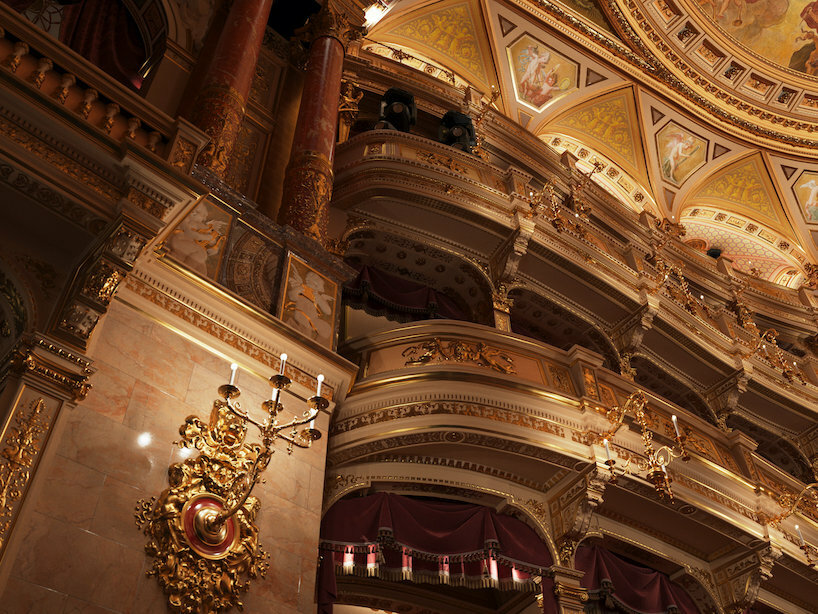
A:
[404,280]
[658,380]
[776,449]
[754,249]
[124,38]
[388,544]
[540,318]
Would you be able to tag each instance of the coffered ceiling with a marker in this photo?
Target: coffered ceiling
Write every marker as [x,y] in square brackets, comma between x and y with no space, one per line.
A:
[687,105]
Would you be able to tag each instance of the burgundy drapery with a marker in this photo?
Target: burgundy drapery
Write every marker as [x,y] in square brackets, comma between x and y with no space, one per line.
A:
[398,298]
[640,589]
[396,537]
[103,32]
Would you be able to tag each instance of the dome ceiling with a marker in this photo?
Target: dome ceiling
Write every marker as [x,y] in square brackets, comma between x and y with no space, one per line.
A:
[686,103]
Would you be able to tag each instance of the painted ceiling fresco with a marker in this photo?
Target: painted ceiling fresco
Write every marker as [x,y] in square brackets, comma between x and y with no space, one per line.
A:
[448,31]
[753,249]
[655,156]
[540,74]
[783,31]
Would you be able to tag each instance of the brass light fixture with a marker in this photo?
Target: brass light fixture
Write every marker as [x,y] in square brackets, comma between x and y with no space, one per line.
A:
[657,459]
[791,504]
[201,529]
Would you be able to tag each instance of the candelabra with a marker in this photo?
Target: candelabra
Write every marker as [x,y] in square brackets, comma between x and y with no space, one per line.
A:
[578,189]
[201,529]
[790,504]
[667,230]
[682,294]
[478,149]
[657,459]
[776,356]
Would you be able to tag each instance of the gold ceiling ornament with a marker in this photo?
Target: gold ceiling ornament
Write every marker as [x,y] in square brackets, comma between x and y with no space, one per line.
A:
[201,529]
[657,459]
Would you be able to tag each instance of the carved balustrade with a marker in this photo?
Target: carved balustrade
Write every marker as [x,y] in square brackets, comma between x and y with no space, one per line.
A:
[39,67]
[420,380]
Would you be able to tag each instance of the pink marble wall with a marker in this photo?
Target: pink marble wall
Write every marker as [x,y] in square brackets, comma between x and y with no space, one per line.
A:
[76,548]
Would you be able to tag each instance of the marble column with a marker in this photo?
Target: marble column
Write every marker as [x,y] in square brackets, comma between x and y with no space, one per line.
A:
[308,178]
[219,104]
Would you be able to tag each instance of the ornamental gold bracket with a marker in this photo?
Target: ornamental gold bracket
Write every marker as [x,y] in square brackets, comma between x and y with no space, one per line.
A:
[657,459]
[201,530]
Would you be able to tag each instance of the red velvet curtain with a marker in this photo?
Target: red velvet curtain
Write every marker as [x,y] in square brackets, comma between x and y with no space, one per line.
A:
[398,538]
[397,298]
[640,589]
[103,32]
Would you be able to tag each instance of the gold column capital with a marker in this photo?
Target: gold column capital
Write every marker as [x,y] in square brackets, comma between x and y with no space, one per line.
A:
[332,21]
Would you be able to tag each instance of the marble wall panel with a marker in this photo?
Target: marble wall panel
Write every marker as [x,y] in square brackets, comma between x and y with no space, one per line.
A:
[76,547]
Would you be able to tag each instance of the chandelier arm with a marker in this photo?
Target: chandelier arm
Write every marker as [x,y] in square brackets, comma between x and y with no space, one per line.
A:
[791,509]
[243,415]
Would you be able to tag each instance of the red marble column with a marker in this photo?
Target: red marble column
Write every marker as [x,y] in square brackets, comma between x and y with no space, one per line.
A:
[308,178]
[219,105]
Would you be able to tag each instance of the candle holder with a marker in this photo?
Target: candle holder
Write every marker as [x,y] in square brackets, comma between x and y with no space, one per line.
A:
[201,529]
[657,459]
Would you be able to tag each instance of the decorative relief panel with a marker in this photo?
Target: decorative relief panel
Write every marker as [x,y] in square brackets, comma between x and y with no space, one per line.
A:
[308,301]
[198,241]
[252,267]
[21,441]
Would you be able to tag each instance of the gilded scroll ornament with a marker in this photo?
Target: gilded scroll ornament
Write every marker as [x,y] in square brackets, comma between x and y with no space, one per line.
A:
[23,439]
[21,447]
[436,350]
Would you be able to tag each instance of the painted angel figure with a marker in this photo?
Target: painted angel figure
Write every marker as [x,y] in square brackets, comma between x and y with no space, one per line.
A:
[678,149]
[533,76]
[309,304]
[811,206]
[196,239]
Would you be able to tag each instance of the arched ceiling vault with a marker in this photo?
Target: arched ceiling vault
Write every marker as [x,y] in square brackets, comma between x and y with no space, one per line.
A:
[678,156]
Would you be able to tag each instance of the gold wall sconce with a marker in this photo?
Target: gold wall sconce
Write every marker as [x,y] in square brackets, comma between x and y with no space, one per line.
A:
[791,503]
[657,459]
[201,529]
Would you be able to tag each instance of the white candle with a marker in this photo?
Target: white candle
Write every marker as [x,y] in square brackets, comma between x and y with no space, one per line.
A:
[320,381]
[282,364]
[312,425]
[676,425]
[801,537]
[607,449]
[233,368]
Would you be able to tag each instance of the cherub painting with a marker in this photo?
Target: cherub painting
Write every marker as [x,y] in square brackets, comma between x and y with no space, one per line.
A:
[199,239]
[680,153]
[540,73]
[806,191]
[309,302]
